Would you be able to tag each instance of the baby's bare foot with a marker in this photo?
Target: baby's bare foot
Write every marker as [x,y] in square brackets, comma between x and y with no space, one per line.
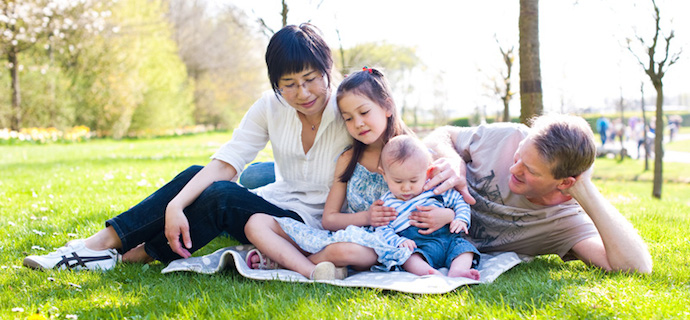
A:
[469,273]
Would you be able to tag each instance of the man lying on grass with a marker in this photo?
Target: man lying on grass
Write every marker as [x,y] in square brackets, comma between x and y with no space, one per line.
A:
[532,192]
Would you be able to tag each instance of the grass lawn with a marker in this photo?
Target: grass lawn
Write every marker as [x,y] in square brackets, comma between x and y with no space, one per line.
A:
[679,145]
[50,194]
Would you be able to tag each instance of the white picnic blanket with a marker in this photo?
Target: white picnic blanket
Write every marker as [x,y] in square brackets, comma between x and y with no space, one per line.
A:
[490,267]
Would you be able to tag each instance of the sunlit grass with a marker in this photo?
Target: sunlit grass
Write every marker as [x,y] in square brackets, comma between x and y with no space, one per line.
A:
[679,145]
[50,194]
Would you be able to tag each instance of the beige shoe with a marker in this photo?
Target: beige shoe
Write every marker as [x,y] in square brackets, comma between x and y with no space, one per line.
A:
[323,271]
[340,273]
[326,270]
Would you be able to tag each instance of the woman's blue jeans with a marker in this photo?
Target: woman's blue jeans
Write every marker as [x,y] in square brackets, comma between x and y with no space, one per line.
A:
[223,206]
[258,174]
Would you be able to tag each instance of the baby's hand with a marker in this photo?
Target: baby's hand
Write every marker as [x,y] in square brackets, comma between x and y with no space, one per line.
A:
[408,244]
[458,225]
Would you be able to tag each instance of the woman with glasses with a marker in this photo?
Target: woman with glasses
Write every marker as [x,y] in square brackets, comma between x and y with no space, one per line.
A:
[300,119]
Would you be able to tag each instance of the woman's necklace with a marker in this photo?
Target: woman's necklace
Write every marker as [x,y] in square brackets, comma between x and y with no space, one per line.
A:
[313,126]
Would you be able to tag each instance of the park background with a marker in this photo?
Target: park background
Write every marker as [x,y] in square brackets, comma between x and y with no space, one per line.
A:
[146,68]
[115,103]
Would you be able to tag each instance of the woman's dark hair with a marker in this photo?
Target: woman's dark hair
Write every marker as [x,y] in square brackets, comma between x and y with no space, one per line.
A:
[371,83]
[294,49]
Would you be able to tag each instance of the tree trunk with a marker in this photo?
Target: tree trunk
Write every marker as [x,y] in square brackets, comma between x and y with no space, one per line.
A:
[530,71]
[623,152]
[645,129]
[506,110]
[52,104]
[658,141]
[16,118]
[508,59]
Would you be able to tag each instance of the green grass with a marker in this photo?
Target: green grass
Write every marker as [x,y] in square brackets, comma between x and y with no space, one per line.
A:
[679,145]
[68,190]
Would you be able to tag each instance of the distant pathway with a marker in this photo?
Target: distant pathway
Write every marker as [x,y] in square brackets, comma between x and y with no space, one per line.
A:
[669,156]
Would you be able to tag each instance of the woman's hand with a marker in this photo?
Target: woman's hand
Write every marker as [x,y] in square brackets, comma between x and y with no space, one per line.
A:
[379,215]
[410,244]
[429,218]
[176,225]
[446,173]
[458,225]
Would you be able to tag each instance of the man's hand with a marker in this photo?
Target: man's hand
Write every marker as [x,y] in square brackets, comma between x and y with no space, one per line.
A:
[430,218]
[447,173]
[176,225]
[380,215]
[580,181]
[458,225]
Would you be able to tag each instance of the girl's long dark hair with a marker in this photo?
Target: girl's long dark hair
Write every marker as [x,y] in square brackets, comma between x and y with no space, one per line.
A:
[372,84]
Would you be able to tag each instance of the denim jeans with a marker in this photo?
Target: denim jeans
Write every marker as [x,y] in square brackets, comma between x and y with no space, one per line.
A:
[223,206]
[440,247]
[258,174]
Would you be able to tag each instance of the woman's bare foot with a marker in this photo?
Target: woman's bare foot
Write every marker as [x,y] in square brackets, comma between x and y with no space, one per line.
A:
[467,273]
[137,255]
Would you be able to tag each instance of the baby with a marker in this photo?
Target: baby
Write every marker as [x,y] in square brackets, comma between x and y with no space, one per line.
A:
[405,162]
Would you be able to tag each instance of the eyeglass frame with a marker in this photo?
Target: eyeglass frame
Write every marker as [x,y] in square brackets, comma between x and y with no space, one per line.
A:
[306,84]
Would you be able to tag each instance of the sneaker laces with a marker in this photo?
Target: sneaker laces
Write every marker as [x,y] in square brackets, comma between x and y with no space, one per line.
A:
[63,250]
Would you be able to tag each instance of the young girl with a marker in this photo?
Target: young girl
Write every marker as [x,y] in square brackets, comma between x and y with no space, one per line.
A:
[366,104]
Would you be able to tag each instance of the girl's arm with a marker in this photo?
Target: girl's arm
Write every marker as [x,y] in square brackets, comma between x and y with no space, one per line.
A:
[334,220]
[176,223]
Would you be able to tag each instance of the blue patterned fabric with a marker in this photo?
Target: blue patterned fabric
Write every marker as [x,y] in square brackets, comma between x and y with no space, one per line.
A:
[363,189]
[314,240]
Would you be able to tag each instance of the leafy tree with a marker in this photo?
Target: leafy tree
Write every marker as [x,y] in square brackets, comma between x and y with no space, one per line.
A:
[130,80]
[25,24]
[152,91]
[223,56]
[659,58]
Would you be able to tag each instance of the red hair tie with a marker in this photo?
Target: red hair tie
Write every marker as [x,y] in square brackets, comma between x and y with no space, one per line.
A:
[367,69]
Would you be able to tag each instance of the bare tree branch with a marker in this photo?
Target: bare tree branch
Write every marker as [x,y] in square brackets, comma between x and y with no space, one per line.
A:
[284,13]
[265,28]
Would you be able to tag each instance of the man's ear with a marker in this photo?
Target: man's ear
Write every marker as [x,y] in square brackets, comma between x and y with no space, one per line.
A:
[566,183]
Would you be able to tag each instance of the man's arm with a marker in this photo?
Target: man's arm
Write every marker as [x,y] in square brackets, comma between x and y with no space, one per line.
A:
[448,167]
[620,247]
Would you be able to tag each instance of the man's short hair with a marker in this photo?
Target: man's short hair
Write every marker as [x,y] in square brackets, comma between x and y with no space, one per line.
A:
[565,141]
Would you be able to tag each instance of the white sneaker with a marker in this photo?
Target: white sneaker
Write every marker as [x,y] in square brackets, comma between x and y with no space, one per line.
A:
[75,255]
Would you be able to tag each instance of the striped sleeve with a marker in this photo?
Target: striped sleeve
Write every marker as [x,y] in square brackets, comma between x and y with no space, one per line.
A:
[453,199]
[388,234]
